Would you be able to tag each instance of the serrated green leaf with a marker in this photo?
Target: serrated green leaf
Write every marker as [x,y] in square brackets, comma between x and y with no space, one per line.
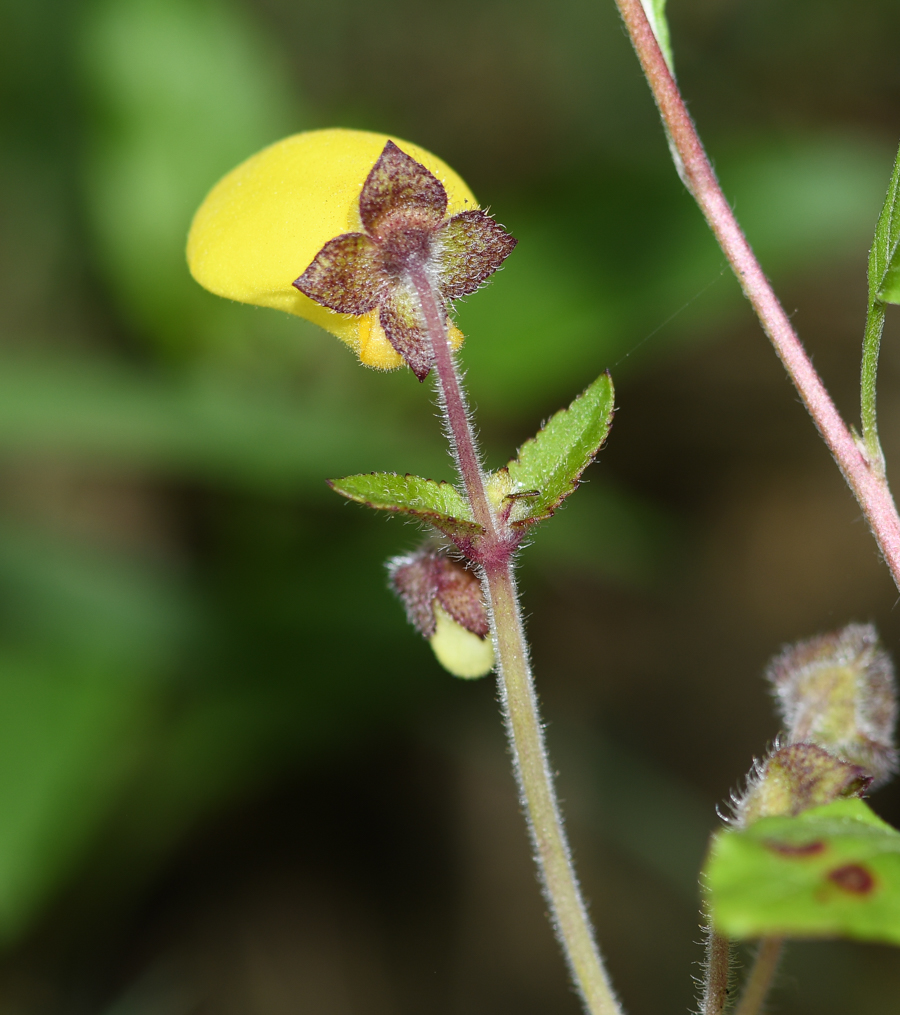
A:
[884,257]
[656,15]
[439,504]
[549,465]
[832,871]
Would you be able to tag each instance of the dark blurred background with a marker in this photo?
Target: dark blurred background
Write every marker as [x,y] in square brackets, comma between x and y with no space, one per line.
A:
[232,780]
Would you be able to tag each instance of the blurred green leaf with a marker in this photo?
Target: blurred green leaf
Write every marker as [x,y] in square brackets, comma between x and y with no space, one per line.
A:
[210,425]
[830,871]
[69,741]
[84,638]
[804,200]
[548,316]
[305,652]
[549,465]
[90,606]
[93,719]
[884,257]
[179,92]
[438,503]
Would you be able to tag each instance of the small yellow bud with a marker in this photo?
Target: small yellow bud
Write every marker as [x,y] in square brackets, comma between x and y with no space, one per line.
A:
[458,650]
[263,224]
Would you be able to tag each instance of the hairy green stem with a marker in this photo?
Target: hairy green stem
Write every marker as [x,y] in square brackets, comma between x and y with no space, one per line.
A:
[868,384]
[517,692]
[539,799]
[761,975]
[865,478]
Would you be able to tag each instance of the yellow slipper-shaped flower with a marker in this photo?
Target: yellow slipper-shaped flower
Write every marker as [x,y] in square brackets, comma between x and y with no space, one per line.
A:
[264,223]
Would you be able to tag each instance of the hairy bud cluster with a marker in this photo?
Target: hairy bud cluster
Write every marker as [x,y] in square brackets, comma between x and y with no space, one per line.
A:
[838,691]
[837,697]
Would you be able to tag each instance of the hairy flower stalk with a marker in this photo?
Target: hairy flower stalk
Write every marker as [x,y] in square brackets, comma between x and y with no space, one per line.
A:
[409,264]
[518,695]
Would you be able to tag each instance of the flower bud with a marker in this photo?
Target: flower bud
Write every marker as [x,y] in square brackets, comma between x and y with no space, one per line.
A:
[837,691]
[459,650]
[837,698]
[794,778]
[445,604]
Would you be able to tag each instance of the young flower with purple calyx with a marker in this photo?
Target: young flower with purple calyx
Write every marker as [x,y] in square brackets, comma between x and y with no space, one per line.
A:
[403,209]
[268,218]
[444,602]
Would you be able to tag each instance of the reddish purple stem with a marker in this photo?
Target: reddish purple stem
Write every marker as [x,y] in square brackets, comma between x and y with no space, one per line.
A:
[455,408]
[866,478]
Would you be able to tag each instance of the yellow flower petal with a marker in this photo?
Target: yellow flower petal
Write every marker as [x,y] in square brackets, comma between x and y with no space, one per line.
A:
[458,650]
[262,225]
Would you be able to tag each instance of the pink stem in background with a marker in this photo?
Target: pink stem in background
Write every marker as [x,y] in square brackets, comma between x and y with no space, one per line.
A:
[865,477]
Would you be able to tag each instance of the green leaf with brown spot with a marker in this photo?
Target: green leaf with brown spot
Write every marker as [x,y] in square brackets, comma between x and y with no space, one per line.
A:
[548,467]
[832,871]
[439,504]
